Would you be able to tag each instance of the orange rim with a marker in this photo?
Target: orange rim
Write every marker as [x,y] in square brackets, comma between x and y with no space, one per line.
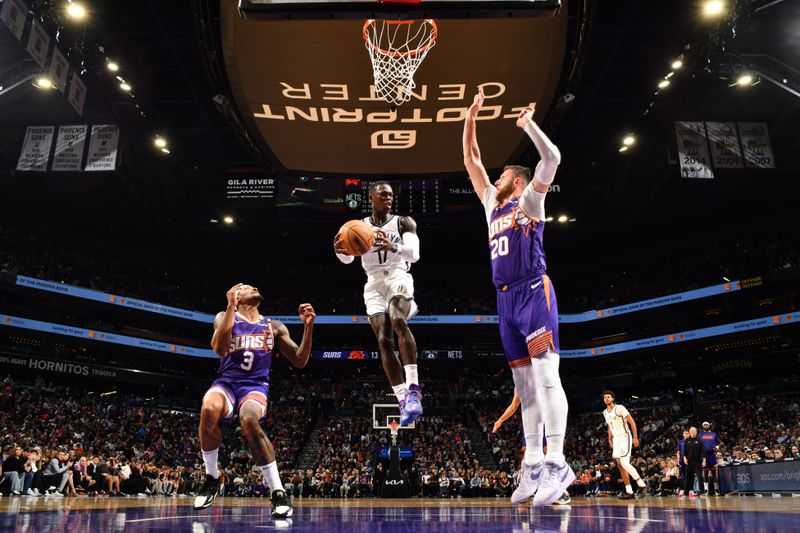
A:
[397,23]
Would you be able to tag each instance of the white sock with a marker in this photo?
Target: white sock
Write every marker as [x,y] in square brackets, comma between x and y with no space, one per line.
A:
[271,476]
[210,460]
[411,375]
[628,489]
[554,403]
[532,425]
[400,391]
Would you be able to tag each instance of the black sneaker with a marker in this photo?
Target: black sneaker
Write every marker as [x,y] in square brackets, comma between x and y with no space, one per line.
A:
[281,505]
[564,499]
[625,496]
[207,493]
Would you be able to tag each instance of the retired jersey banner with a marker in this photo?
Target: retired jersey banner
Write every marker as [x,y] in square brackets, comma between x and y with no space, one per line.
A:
[36,148]
[756,145]
[77,93]
[693,153]
[38,43]
[724,141]
[59,70]
[13,13]
[103,148]
[69,148]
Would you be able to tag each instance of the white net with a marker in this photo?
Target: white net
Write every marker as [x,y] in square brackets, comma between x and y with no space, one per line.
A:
[396,49]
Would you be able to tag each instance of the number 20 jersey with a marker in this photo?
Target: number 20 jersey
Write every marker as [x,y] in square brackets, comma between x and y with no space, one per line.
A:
[249,356]
[515,241]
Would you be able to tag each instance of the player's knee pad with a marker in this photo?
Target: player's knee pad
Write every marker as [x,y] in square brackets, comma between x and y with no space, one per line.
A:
[546,373]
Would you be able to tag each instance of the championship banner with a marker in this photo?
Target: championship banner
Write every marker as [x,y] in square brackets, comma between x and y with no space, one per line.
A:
[103,148]
[38,43]
[724,141]
[77,93]
[693,150]
[756,145]
[36,148]
[69,148]
[59,69]
[13,13]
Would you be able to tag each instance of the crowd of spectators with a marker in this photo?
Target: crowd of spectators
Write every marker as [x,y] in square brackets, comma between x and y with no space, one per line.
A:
[60,440]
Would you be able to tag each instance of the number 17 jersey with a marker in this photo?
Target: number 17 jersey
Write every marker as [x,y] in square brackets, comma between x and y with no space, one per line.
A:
[249,355]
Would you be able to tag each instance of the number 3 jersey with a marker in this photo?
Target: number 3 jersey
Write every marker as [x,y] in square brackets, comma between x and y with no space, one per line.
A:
[375,261]
[515,241]
[249,356]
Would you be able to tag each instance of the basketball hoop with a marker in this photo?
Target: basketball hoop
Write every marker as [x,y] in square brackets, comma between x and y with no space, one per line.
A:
[396,49]
[394,427]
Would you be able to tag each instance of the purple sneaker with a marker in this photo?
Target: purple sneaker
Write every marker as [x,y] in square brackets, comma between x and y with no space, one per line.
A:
[411,408]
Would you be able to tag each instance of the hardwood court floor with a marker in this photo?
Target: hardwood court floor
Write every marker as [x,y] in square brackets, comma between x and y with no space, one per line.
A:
[239,515]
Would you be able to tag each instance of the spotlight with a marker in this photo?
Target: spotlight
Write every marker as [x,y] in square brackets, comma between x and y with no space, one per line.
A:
[744,80]
[563,218]
[159,142]
[43,83]
[677,64]
[713,8]
[548,219]
[112,66]
[663,84]
[629,140]
[124,86]
[668,76]
[228,219]
[623,148]
[165,150]
[76,11]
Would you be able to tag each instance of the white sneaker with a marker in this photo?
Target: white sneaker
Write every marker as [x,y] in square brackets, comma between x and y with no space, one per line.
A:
[555,480]
[528,482]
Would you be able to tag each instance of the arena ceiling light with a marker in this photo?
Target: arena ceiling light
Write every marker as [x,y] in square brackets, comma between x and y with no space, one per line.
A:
[745,80]
[228,219]
[125,87]
[713,8]
[112,66]
[663,84]
[160,142]
[165,150]
[623,148]
[43,83]
[629,140]
[563,218]
[548,219]
[676,64]
[76,11]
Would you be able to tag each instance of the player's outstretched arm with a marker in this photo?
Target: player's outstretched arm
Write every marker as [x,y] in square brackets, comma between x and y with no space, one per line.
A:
[223,323]
[472,154]
[409,249]
[510,410]
[297,355]
[532,200]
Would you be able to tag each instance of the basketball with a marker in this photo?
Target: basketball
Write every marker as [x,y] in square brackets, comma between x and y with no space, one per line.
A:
[357,237]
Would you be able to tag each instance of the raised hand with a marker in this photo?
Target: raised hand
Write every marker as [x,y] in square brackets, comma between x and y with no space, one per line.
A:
[233,295]
[307,314]
[526,115]
[477,103]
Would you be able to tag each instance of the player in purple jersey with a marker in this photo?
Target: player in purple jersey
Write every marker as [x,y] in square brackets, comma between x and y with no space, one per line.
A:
[526,302]
[245,341]
[711,442]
